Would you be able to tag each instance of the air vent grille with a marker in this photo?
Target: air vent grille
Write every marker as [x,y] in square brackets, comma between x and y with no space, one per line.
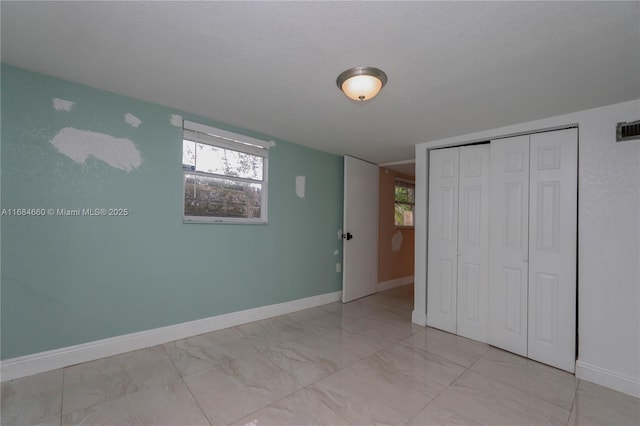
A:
[628,131]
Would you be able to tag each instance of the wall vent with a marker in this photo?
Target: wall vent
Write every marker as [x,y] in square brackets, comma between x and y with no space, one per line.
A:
[628,131]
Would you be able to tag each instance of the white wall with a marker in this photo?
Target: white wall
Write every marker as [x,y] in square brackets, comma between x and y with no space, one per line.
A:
[608,240]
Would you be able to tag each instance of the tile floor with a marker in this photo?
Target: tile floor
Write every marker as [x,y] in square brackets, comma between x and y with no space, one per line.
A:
[361,363]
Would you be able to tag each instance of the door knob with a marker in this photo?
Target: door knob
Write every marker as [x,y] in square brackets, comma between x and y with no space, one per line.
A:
[347,236]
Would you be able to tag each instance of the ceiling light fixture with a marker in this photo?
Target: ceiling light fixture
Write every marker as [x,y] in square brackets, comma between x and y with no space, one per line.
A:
[361,83]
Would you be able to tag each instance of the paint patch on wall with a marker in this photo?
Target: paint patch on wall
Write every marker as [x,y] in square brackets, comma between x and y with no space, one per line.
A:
[176,120]
[132,120]
[396,241]
[300,181]
[336,252]
[62,105]
[79,144]
[340,233]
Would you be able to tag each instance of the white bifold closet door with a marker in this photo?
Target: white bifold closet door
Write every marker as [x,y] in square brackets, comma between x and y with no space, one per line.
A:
[533,248]
[458,273]
[553,227]
[442,265]
[508,273]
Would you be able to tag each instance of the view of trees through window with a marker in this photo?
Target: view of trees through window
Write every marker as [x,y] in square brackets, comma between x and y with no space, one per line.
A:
[224,183]
[404,203]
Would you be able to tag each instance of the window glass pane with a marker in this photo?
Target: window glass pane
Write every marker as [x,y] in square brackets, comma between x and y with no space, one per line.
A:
[215,197]
[404,194]
[212,159]
[403,214]
[405,199]
[188,155]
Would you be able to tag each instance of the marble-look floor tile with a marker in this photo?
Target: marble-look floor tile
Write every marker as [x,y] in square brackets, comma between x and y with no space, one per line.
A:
[454,348]
[110,378]
[312,357]
[311,314]
[383,326]
[166,404]
[543,381]
[315,356]
[596,405]
[233,390]
[319,320]
[363,396]
[207,350]
[351,310]
[261,334]
[404,311]
[382,370]
[385,302]
[359,344]
[53,421]
[413,368]
[300,408]
[32,399]
[403,291]
[476,400]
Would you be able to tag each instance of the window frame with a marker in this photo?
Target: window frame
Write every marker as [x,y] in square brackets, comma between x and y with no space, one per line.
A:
[207,135]
[396,202]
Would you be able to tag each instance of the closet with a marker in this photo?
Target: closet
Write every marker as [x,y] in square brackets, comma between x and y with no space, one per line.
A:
[458,266]
[532,274]
[502,244]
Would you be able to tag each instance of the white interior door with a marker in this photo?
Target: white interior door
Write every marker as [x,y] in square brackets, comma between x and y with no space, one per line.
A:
[360,228]
[442,265]
[508,271]
[552,248]
[473,243]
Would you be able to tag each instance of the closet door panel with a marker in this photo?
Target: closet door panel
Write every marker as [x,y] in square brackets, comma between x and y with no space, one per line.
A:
[509,224]
[473,243]
[442,265]
[552,248]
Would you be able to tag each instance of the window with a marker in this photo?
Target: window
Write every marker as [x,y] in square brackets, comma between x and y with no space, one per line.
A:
[225,176]
[405,200]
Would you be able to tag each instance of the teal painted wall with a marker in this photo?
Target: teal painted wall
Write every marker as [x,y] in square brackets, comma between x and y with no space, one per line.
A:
[70,280]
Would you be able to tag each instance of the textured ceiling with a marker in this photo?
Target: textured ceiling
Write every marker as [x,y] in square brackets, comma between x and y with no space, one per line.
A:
[270,67]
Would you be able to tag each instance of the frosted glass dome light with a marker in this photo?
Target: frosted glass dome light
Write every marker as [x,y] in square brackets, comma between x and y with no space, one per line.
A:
[361,83]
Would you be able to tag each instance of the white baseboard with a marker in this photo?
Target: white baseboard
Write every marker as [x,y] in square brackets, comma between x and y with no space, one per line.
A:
[58,358]
[387,285]
[419,318]
[608,378]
